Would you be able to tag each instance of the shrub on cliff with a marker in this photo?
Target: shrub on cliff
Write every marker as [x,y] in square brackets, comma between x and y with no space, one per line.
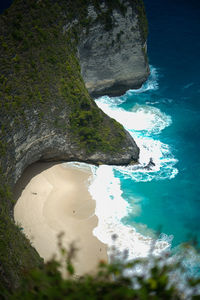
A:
[153,278]
[40,69]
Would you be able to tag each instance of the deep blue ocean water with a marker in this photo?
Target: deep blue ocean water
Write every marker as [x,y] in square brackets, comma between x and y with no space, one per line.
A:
[166,198]
[4,5]
[174,49]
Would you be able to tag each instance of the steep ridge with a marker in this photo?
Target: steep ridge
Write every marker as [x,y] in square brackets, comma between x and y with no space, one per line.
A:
[46,112]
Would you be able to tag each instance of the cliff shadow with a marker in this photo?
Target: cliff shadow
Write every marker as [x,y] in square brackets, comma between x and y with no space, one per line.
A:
[30,172]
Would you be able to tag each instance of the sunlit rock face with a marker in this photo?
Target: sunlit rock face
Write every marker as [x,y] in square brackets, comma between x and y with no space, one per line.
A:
[113,56]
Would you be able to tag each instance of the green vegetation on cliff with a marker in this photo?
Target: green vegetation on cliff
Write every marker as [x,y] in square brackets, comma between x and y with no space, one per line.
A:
[152,278]
[16,255]
[39,66]
[40,76]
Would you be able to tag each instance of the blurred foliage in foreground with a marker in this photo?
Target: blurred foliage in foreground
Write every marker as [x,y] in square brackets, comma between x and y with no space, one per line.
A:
[152,278]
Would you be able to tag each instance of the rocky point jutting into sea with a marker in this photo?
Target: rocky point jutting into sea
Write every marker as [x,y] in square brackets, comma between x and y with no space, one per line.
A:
[52,52]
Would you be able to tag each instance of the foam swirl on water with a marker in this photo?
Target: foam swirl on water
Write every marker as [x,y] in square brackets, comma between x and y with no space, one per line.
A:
[150,84]
[161,155]
[144,122]
[141,118]
[110,209]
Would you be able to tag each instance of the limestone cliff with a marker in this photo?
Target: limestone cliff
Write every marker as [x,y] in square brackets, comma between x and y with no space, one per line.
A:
[46,113]
[113,54]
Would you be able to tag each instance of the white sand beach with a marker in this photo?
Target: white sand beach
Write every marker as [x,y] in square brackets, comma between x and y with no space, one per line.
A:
[54,199]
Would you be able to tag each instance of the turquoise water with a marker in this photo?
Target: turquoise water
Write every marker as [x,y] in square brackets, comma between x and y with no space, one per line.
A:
[164,118]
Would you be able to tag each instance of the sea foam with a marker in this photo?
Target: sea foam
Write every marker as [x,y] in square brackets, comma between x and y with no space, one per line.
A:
[111,208]
[144,123]
[150,84]
[141,117]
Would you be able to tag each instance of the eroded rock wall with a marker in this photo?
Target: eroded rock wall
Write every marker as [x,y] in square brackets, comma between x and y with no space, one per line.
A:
[113,59]
[43,141]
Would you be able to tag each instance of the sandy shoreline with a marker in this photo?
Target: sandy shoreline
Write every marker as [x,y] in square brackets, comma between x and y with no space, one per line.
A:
[55,200]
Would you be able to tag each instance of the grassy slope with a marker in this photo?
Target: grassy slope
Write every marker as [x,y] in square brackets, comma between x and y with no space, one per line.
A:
[39,66]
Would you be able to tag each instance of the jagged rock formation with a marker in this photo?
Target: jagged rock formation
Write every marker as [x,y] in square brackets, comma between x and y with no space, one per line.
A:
[113,57]
[46,112]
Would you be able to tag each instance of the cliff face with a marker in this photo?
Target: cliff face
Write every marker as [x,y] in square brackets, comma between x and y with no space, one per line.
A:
[44,141]
[113,54]
[46,112]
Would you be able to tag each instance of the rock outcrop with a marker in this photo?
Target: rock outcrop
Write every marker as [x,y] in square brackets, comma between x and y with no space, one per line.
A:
[113,57]
[46,142]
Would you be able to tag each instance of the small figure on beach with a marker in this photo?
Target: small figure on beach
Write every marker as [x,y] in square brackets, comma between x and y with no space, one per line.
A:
[150,164]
